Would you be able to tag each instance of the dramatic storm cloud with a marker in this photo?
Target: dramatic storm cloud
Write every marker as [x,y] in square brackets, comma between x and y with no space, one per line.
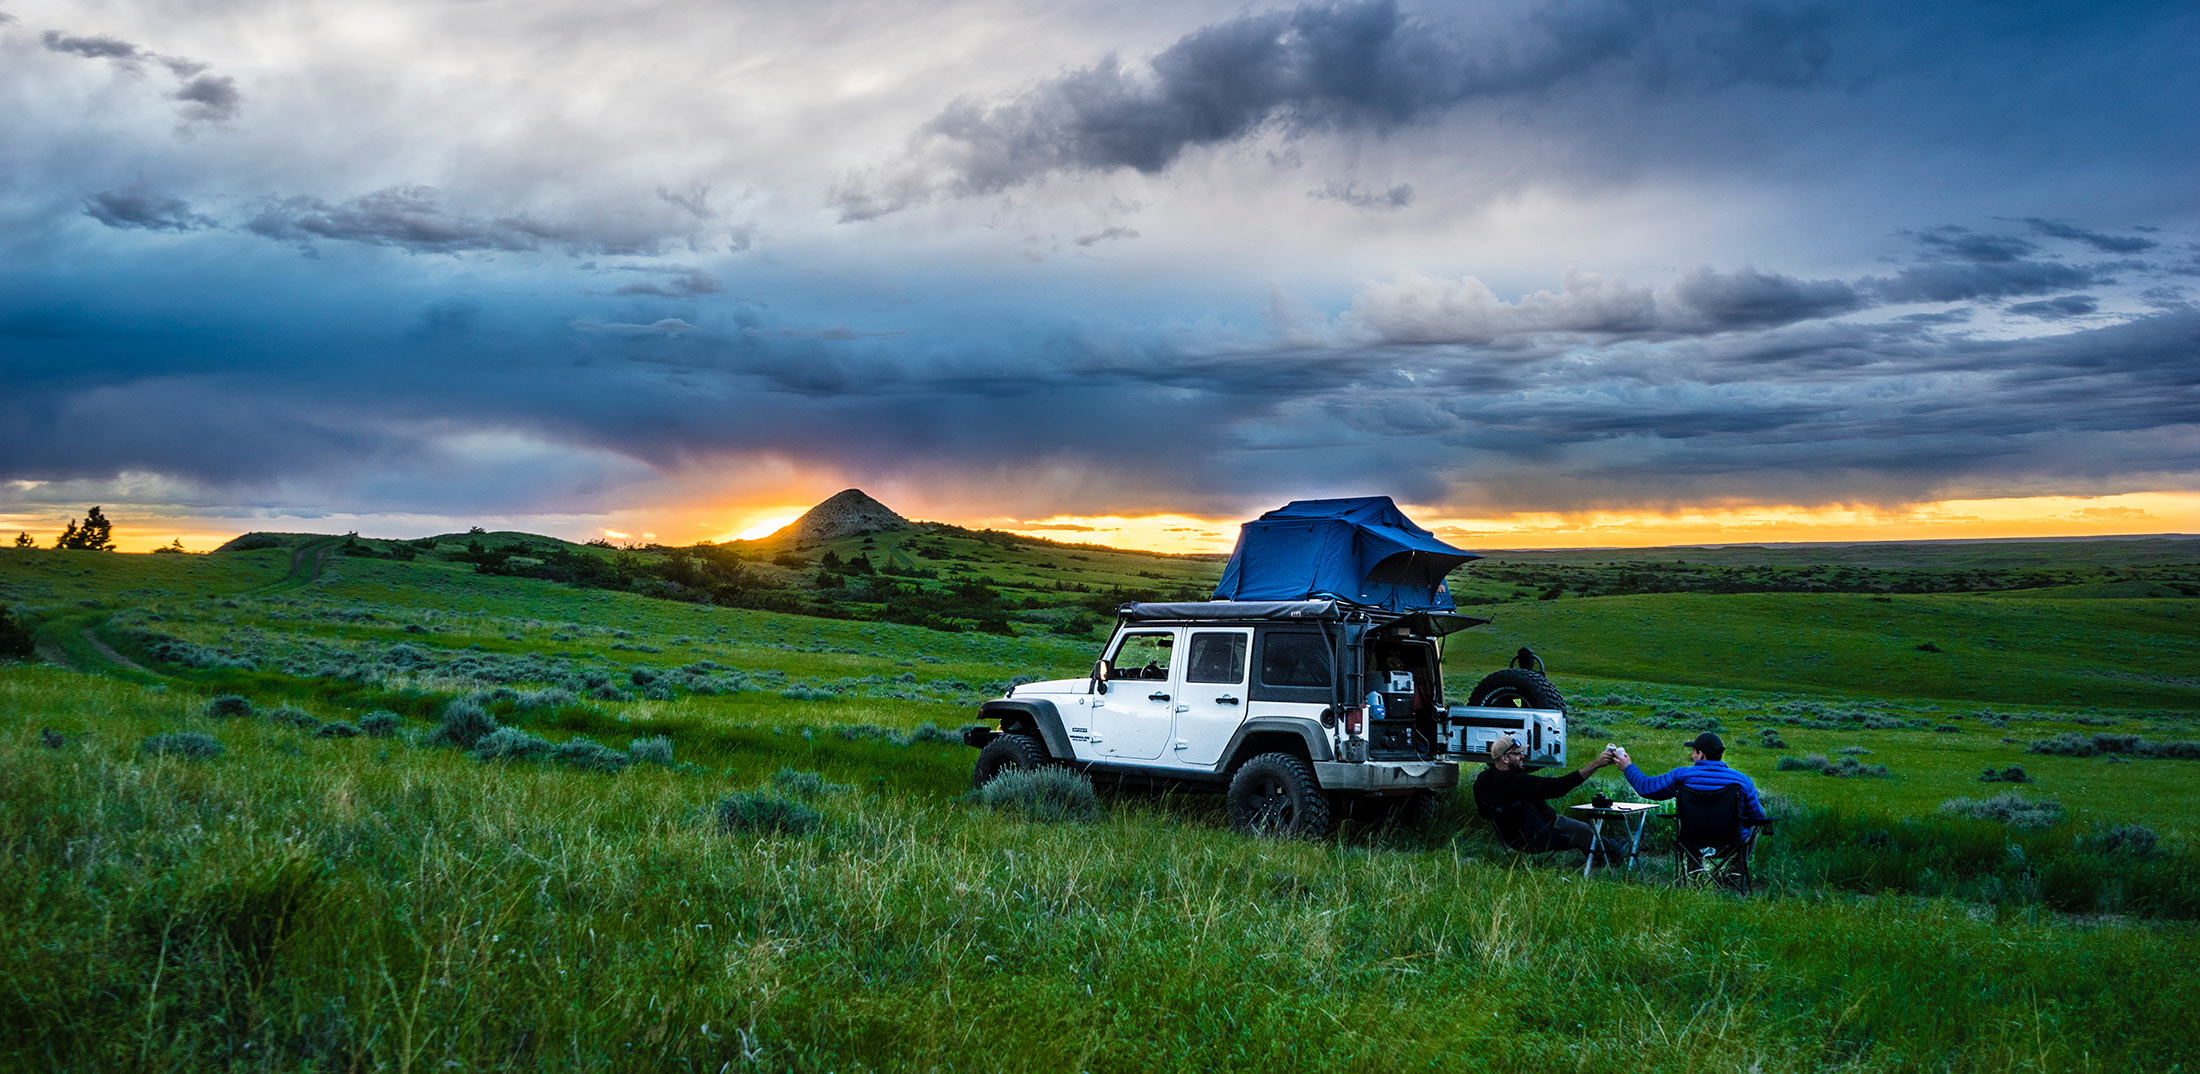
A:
[581,262]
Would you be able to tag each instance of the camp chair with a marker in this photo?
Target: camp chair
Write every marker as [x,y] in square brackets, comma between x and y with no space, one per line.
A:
[1708,847]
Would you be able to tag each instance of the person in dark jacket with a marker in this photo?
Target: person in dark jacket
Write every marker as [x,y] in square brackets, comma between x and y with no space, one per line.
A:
[1518,803]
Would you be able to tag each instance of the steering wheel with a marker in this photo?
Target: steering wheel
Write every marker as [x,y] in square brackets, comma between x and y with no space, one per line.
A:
[1153,670]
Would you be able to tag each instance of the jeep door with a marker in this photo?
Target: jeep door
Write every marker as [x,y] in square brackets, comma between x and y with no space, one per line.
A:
[1210,703]
[1131,721]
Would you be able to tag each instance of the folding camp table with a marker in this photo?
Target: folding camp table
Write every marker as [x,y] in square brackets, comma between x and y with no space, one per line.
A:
[1635,815]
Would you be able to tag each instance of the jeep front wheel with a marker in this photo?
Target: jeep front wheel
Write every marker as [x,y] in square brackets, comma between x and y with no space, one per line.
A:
[1005,752]
[1274,795]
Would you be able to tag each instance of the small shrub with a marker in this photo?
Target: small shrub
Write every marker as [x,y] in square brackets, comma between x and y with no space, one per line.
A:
[2133,840]
[755,811]
[579,752]
[464,723]
[805,785]
[1851,768]
[656,749]
[1767,737]
[228,705]
[2014,810]
[1813,762]
[192,744]
[808,693]
[339,729]
[292,716]
[2011,774]
[1051,795]
[1854,751]
[381,723]
[933,733]
[508,744]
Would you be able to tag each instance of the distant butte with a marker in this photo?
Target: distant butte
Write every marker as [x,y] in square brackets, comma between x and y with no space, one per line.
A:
[846,514]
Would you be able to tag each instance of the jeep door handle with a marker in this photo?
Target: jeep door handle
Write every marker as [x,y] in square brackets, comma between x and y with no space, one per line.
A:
[1157,697]
[1226,700]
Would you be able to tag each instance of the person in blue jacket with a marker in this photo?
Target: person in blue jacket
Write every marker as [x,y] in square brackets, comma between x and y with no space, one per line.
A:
[1706,771]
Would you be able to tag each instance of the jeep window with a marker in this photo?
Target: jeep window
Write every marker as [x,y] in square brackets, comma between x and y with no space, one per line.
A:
[1143,656]
[1217,657]
[1294,660]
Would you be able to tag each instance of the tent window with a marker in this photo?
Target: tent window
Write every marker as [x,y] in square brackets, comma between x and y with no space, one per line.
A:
[1217,657]
[1294,660]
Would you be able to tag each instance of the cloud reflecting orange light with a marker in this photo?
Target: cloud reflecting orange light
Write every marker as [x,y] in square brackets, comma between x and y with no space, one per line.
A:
[2029,516]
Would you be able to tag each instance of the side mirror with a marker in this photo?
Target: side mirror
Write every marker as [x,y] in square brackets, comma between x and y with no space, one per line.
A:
[1099,676]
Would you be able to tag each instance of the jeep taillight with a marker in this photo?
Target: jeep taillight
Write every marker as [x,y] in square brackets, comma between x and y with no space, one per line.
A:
[1355,720]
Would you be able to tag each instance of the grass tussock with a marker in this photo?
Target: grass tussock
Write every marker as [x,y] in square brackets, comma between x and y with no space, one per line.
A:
[757,812]
[2014,810]
[196,745]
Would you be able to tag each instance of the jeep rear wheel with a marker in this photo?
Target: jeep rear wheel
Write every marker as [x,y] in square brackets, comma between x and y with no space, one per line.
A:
[1005,752]
[1516,688]
[1274,795]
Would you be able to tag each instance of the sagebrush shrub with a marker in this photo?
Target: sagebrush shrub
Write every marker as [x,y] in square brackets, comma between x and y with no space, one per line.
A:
[194,744]
[656,749]
[508,744]
[1050,794]
[580,752]
[292,716]
[381,723]
[934,733]
[2014,810]
[808,785]
[2011,774]
[464,723]
[1810,762]
[2134,840]
[228,705]
[755,811]
[338,729]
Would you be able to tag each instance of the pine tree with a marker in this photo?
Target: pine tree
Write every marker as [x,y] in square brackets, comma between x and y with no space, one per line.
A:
[95,535]
[23,540]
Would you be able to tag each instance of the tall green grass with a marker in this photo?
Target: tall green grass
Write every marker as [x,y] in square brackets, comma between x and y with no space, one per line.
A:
[334,904]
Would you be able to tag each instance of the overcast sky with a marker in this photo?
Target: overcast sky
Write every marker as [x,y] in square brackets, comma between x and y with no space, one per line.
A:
[590,265]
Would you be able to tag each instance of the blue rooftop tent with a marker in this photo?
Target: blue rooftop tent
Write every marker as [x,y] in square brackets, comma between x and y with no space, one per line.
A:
[1360,549]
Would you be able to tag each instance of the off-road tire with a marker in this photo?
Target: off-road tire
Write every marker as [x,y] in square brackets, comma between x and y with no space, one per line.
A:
[1274,796]
[1006,752]
[1516,688]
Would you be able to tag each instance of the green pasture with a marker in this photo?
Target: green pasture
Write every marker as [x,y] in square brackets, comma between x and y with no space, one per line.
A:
[299,902]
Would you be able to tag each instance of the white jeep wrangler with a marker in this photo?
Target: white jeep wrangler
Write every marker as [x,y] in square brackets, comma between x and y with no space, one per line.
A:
[1293,707]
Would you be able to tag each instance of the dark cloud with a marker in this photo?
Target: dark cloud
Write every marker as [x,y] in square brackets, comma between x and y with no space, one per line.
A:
[1962,243]
[1320,66]
[672,282]
[2111,244]
[1105,234]
[2056,309]
[97,47]
[1956,281]
[412,218]
[1397,197]
[1751,299]
[205,98]
[209,98]
[137,207]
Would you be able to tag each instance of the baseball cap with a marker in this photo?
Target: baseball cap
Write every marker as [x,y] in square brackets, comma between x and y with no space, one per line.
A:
[1707,742]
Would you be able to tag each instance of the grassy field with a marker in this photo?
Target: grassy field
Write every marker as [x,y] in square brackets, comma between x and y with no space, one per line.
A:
[280,895]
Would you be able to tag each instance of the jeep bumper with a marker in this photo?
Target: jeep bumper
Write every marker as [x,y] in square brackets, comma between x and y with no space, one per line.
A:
[1386,777]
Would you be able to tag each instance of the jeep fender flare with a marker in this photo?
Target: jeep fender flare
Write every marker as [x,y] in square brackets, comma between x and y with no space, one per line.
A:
[1037,718]
[1308,735]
